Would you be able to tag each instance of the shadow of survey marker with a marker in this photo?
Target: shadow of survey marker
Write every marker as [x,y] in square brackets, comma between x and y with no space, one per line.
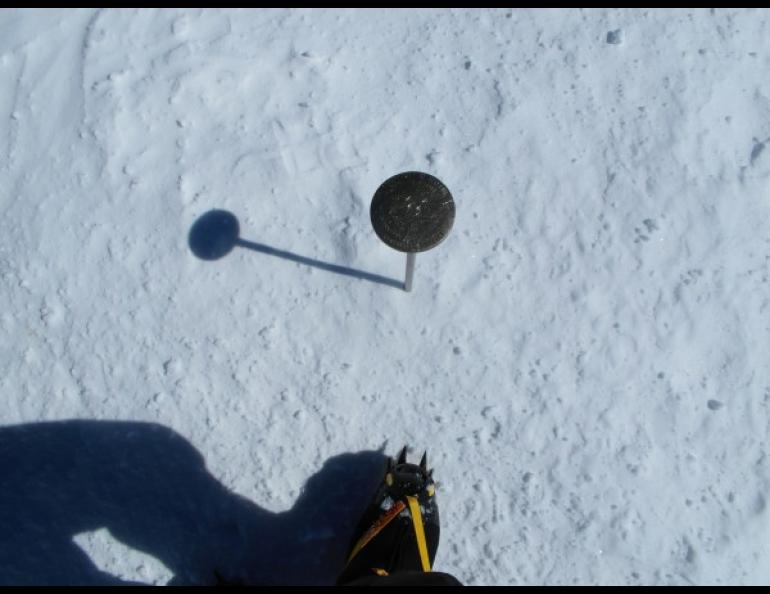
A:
[214,235]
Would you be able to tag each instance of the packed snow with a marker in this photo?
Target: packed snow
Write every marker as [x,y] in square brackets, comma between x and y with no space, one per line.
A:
[585,358]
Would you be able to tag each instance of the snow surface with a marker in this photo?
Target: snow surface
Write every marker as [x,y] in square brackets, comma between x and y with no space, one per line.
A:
[585,357]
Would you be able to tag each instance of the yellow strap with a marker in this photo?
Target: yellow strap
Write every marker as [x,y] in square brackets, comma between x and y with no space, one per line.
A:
[419,532]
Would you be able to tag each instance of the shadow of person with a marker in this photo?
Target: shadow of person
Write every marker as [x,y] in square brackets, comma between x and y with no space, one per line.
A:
[150,489]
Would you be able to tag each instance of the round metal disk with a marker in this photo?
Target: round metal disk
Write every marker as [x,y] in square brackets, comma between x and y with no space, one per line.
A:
[412,212]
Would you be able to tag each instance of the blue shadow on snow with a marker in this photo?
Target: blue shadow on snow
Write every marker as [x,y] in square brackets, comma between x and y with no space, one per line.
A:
[216,233]
[149,487]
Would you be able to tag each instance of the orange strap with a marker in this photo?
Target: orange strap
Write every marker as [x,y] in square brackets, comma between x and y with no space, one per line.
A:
[377,527]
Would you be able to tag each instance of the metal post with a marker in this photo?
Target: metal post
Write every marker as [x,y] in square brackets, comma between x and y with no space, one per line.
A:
[412,212]
[410,259]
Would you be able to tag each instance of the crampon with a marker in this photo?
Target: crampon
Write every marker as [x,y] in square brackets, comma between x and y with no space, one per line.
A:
[397,538]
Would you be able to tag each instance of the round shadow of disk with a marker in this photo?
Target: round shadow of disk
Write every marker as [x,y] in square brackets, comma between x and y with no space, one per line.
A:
[214,235]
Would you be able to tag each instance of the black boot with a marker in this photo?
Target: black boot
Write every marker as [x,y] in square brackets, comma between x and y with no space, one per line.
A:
[397,537]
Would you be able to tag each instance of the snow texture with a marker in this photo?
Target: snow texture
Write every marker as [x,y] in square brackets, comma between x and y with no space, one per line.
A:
[585,357]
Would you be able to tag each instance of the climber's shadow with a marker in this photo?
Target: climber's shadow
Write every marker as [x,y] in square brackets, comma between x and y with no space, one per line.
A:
[150,489]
